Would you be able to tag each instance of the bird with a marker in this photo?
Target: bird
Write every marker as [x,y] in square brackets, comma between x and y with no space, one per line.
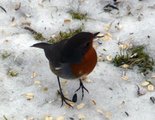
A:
[71,59]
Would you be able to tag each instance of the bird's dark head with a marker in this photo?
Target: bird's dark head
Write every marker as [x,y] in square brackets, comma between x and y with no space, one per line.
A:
[82,40]
[77,46]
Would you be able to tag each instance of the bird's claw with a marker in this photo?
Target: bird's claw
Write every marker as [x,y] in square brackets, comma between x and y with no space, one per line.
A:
[64,99]
[83,88]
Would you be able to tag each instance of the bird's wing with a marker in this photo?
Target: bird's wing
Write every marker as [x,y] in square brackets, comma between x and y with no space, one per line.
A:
[53,54]
[70,54]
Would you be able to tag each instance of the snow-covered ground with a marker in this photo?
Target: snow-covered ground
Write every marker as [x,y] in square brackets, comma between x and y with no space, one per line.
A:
[110,96]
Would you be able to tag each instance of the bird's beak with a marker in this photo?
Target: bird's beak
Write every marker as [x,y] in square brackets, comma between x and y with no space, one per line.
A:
[95,34]
[35,45]
[41,45]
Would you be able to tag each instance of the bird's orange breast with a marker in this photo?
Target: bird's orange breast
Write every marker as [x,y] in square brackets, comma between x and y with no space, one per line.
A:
[86,65]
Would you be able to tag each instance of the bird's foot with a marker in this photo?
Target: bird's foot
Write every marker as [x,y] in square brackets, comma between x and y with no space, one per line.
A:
[83,88]
[64,99]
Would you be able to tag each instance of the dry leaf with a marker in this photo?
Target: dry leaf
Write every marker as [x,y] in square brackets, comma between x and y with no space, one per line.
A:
[81,117]
[48,118]
[100,58]
[29,96]
[60,118]
[80,106]
[150,87]
[109,58]
[123,46]
[37,82]
[108,115]
[94,102]
[125,66]
[99,111]
[34,74]
[145,83]
[107,37]
[67,21]
[125,77]
[107,27]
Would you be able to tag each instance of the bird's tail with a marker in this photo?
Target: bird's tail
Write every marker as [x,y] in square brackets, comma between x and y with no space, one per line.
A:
[42,45]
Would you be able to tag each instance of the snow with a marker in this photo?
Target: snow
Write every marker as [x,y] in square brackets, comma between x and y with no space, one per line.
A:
[47,17]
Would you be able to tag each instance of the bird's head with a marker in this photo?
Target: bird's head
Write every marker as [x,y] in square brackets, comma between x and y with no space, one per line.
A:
[77,46]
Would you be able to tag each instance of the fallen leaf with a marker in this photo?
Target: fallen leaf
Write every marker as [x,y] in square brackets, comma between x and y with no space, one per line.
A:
[125,66]
[29,96]
[145,83]
[37,82]
[107,37]
[94,102]
[81,117]
[60,118]
[108,115]
[67,21]
[34,74]
[80,106]
[150,87]
[125,77]
[109,58]
[48,118]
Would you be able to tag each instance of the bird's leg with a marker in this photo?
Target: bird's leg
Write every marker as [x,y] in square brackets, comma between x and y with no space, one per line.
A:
[82,87]
[63,98]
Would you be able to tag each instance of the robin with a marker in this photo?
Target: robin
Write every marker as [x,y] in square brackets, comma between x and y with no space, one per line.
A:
[71,58]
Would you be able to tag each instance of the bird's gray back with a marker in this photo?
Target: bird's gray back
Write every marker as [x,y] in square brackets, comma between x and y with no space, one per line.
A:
[53,54]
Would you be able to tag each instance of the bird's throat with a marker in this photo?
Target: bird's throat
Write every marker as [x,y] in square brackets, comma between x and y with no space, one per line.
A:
[86,65]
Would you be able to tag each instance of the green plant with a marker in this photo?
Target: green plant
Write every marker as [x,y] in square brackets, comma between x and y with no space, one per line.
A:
[77,15]
[135,56]
[39,36]
[5,55]
[36,35]
[12,73]
[65,35]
